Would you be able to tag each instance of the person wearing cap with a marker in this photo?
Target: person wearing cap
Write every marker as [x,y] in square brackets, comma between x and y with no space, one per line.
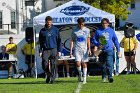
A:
[105,39]
[50,47]
[81,38]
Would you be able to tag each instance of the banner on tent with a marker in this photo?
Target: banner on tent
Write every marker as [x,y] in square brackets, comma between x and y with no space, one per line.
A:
[66,20]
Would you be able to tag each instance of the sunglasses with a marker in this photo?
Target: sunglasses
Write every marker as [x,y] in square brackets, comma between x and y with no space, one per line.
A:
[105,23]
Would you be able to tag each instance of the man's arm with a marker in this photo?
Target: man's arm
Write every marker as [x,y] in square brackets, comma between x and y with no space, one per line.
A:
[40,42]
[71,46]
[88,45]
[117,45]
[95,39]
[116,42]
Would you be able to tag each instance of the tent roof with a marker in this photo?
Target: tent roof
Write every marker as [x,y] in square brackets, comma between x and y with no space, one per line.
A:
[70,11]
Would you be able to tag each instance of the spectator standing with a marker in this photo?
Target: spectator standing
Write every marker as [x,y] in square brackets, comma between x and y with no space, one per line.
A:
[130,46]
[11,49]
[28,51]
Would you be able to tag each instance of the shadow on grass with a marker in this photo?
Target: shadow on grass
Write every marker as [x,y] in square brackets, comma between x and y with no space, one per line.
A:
[41,82]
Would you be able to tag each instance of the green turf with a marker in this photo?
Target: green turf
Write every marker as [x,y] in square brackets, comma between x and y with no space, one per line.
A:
[121,84]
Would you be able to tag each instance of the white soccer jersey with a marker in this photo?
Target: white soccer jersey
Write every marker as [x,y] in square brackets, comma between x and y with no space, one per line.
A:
[80,37]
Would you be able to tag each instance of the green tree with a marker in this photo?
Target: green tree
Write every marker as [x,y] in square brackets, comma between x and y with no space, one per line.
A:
[117,7]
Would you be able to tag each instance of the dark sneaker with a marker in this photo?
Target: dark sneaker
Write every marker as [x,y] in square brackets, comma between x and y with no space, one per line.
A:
[52,81]
[110,80]
[48,79]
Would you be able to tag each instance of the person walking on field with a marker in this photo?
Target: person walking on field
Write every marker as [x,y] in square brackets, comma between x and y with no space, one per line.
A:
[81,39]
[50,47]
[105,39]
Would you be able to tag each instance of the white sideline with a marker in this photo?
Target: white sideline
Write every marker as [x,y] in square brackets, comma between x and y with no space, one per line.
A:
[79,86]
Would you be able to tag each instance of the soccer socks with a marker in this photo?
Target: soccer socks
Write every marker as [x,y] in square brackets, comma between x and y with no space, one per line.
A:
[80,74]
[68,75]
[79,70]
[84,74]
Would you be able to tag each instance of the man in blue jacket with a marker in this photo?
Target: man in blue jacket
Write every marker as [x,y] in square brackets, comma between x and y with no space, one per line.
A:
[105,39]
[50,46]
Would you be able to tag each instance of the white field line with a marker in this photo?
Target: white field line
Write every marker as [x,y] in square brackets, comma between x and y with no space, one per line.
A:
[79,86]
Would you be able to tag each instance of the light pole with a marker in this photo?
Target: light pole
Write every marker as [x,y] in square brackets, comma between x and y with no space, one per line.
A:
[17,16]
[29,3]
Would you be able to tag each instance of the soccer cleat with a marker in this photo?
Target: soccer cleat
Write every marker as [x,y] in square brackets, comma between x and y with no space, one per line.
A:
[104,80]
[110,80]
[10,77]
[57,76]
[128,72]
[68,76]
[135,72]
[112,74]
[117,74]
[52,81]
[84,82]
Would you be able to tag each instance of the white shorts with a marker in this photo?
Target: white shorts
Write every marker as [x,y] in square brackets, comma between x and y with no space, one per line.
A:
[81,56]
[12,57]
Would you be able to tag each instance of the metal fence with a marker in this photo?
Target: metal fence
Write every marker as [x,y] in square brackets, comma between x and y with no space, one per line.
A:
[13,28]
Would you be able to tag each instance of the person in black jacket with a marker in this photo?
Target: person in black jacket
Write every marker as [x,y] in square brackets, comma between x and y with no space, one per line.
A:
[3,54]
[50,46]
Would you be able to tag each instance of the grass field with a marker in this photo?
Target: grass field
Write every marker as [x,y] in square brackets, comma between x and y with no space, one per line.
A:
[121,84]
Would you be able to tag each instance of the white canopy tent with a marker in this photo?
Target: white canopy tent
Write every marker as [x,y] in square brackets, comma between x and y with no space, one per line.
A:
[69,12]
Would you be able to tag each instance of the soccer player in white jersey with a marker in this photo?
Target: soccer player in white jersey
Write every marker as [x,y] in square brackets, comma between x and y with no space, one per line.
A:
[80,39]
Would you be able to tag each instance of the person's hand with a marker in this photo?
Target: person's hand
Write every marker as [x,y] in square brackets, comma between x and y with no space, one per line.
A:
[122,44]
[89,52]
[119,55]
[95,48]
[40,54]
[100,46]
[134,50]
[71,54]
[59,54]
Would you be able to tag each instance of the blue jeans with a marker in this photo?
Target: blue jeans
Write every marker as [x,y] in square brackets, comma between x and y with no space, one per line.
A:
[106,58]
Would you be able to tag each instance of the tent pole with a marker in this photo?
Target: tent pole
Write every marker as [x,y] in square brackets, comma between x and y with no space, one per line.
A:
[35,52]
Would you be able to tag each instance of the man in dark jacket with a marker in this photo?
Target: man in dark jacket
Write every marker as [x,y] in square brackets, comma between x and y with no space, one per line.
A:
[5,56]
[50,47]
